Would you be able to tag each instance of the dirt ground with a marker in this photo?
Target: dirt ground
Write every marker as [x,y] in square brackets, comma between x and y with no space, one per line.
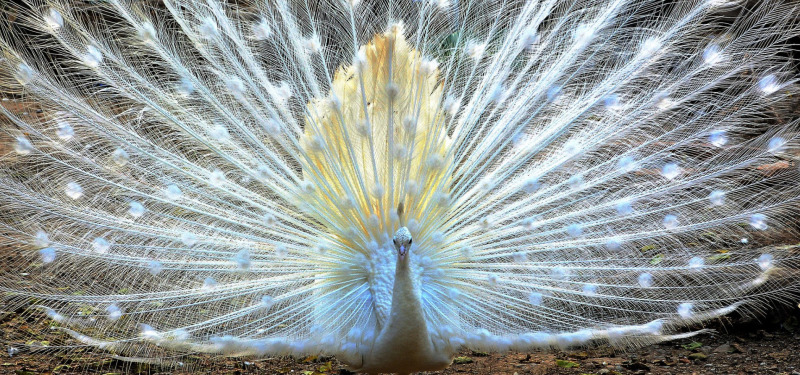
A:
[770,345]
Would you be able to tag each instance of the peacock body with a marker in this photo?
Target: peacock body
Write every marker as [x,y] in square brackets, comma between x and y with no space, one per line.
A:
[389,182]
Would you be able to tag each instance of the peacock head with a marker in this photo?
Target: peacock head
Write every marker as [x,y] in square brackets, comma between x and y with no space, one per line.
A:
[402,242]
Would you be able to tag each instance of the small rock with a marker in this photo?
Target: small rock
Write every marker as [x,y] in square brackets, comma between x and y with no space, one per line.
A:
[580,355]
[635,366]
[462,360]
[780,356]
[663,362]
[697,357]
[722,349]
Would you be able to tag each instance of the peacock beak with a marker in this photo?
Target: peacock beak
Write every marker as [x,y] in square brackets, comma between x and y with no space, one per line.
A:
[402,251]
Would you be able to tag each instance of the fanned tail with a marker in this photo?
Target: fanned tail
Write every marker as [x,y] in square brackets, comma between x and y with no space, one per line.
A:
[623,177]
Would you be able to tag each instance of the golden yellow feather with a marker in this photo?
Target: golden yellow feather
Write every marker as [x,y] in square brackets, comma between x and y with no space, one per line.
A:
[364,163]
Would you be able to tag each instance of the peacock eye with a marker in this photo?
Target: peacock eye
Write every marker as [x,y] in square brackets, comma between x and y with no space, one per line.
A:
[394,240]
[410,241]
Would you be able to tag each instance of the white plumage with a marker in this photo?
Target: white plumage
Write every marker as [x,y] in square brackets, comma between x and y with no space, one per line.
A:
[391,181]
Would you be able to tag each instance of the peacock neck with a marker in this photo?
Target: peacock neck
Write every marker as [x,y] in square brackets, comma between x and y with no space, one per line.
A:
[403,341]
[406,308]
